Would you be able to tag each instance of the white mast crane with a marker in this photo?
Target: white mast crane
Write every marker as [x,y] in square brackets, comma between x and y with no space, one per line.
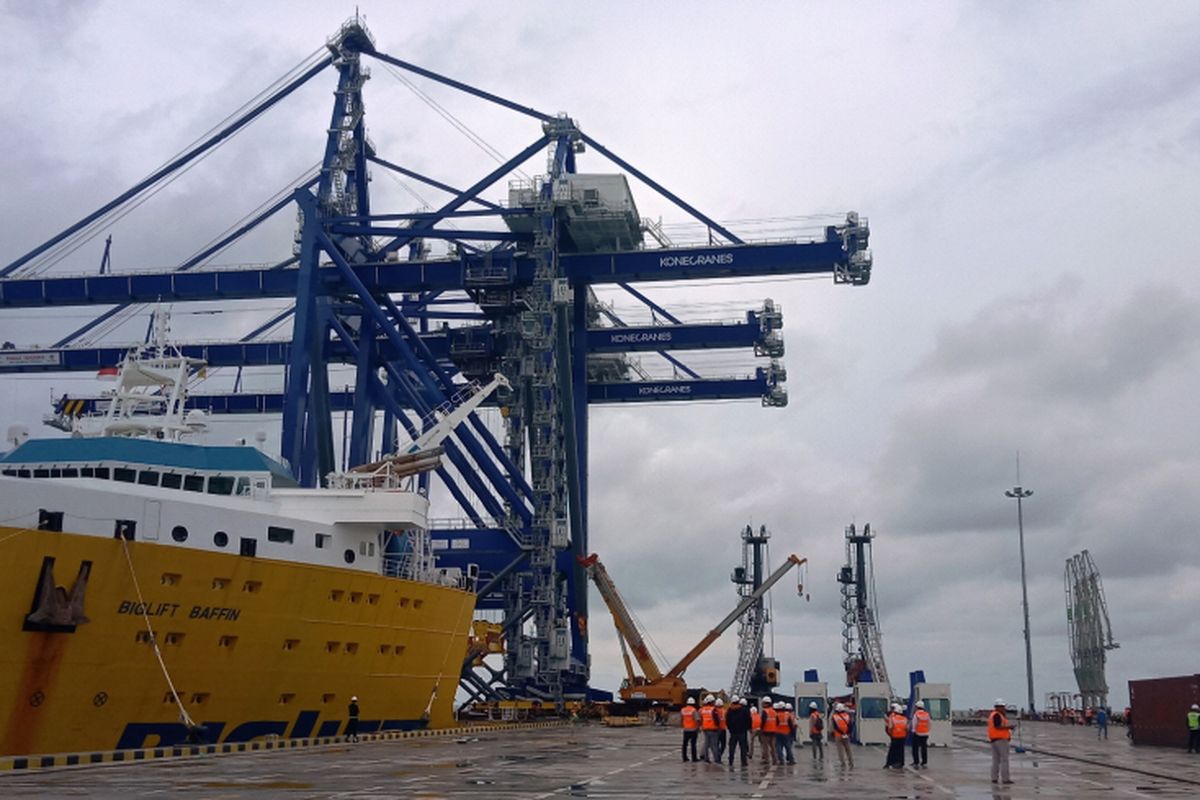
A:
[862,641]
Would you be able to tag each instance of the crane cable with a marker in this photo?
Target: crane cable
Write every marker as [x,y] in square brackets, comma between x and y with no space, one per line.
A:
[454,121]
[128,313]
[68,246]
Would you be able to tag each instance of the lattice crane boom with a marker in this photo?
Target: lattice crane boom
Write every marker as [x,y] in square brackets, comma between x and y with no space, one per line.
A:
[1090,628]
[862,640]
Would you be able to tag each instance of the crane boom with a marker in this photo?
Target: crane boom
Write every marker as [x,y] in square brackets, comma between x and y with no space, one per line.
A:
[749,600]
[443,420]
[627,629]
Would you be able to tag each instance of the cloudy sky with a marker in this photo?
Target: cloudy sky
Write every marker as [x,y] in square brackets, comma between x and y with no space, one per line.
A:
[1031,173]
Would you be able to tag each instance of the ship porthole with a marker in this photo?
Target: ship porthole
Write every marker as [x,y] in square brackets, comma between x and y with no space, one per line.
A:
[349,556]
[179,533]
[220,538]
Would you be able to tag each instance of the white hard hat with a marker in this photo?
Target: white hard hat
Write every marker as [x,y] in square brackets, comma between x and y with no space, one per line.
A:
[766,700]
[691,701]
[840,707]
[895,706]
[920,704]
[778,705]
[354,699]
[654,703]
[999,702]
[735,699]
[708,698]
[720,702]
[1195,707]
[788,706]
[813,704]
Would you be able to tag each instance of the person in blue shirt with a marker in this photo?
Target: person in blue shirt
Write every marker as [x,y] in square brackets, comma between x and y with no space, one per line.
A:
[1101,722]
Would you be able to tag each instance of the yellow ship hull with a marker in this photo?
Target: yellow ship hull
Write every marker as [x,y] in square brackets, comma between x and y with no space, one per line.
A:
[254,647]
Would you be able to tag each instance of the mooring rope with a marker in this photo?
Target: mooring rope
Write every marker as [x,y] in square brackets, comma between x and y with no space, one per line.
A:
[183,714]
[468,597]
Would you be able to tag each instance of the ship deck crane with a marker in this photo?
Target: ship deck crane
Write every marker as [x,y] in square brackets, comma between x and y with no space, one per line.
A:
[654,684]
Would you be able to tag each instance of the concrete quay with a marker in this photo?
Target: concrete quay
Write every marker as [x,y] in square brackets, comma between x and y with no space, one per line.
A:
[593,761]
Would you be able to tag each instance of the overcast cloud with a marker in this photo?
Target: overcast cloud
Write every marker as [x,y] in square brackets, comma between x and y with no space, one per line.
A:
[1031,172]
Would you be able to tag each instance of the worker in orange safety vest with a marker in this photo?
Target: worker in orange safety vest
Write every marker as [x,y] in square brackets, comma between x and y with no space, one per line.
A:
[840,731]
[816,731]
[766,734]
[921,724]
[710,723]
[999,734]
[689,718]
[897,729]
[785,733]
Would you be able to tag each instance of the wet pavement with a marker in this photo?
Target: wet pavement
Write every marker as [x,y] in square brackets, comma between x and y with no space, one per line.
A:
[592,761]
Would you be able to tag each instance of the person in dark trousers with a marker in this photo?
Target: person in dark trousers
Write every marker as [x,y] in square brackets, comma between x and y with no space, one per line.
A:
[921,723]
[1193,722]
[1101,722]
[689,719]
[352,724]
[722,729]
[816,731]
[897,730]
[737,721]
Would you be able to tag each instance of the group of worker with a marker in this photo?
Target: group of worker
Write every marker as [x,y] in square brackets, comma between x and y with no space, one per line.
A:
[735,730]
[898,727]
[774,725]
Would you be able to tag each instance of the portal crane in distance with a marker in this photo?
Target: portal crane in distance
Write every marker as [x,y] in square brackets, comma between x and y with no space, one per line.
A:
[1091,630]
[654,684]
[862,642]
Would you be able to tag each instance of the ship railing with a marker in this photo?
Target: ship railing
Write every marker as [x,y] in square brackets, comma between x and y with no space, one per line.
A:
[404,566]
[386,478]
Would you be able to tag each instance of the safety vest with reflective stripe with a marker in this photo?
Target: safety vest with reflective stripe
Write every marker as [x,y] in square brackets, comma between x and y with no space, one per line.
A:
[998,727]
[755,719]
[897,725]
[784,723]
[770,723]
[708,718]
[921,722]
[721,720]
[688,717]
[1193,720]
[841,724]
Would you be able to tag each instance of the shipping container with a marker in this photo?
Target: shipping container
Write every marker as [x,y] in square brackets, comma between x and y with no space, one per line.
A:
[1160,707]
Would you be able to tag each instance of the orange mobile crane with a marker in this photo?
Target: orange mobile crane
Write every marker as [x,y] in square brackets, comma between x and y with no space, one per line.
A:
[654,684]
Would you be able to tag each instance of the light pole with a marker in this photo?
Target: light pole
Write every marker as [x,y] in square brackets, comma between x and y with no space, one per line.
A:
[1020,494]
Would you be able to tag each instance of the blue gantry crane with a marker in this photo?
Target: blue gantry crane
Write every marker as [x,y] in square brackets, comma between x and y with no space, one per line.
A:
[517,280]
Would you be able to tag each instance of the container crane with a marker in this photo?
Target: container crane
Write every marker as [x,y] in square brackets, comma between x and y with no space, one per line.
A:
[654,684]
[364,290]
